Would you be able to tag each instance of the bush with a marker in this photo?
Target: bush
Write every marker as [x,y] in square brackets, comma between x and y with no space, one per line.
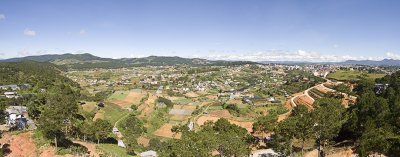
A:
[165,101]
[232,108]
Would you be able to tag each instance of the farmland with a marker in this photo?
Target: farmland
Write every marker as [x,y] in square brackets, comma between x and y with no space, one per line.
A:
[343,75]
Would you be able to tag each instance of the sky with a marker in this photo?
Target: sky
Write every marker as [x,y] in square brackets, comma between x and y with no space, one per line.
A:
[255,30]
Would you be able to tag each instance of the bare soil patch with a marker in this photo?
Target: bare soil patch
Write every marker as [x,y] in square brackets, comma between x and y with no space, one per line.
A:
[143,141]
[145,110]
[20,145]
[304,100]
[323,89]
[151,100]
[235,101]
[179,118]
[133,97]
[221,113]
[188,107]
[91,148]
[89,106]
[99,114]
[212,97]
[191,95]
[203,119]
[165,131]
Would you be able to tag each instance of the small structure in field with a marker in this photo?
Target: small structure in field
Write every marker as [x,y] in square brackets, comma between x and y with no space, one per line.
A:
[11,95]
[180,112]
[149,153]
[12,87]
[264,152]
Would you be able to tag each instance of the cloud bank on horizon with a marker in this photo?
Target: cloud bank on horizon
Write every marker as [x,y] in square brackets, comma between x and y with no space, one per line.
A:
[255,30]
[299,55]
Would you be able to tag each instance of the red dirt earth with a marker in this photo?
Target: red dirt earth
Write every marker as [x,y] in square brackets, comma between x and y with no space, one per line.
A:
[21,145]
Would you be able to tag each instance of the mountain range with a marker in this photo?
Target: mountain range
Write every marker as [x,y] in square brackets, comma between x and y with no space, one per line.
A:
[86,60]
[384,62]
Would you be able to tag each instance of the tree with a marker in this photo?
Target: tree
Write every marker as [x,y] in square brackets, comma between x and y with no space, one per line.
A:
[50,124]
[328,117]
[299,125]
[304,124]
[228,139]
[35,108]
[61,106]
[102,129]
[265,123]
[284,136]
[87,130]
[133,128]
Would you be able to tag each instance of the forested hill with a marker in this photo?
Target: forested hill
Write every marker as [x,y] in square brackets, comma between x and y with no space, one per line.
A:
[37,74]
[87,61]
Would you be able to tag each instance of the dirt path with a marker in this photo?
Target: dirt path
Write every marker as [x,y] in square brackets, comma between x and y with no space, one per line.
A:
[91,148]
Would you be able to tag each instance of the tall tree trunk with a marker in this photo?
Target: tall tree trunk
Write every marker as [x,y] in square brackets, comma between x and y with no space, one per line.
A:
[319,148]
[291,148]
[98,141]
[302,147]
[55,141]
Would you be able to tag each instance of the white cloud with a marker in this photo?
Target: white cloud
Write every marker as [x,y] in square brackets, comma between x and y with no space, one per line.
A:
[282,55]
[27,52]
[82,32]
[29,32]
[2,16]
[24,52]
[335,46]
[392,55]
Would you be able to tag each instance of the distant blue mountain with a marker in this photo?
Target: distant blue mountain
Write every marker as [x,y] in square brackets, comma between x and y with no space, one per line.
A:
[385,62]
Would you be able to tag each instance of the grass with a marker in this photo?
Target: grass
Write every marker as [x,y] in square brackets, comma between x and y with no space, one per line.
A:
[344,75]
[157,119]
[113,112]
[215,108]
[183,101]
[112,150]
[89,106]
[118,95]
[38,139]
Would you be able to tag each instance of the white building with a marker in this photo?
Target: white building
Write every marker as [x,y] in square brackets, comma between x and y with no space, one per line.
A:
[11,94]
[264,153]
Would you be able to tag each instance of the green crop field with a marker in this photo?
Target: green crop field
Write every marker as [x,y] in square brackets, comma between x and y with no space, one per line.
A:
[118,95]
[344,75]
[113,112]
[183,101]
[112,150]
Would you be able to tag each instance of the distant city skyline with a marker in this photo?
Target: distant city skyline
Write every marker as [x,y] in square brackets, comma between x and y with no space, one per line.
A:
[254,30]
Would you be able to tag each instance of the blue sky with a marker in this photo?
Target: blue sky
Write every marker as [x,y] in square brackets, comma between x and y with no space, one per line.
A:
[313,30]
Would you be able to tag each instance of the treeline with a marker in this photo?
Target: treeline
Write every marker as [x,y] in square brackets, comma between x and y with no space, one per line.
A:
[36,74]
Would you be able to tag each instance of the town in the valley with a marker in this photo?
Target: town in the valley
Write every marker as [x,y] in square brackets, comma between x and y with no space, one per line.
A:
[266,109]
